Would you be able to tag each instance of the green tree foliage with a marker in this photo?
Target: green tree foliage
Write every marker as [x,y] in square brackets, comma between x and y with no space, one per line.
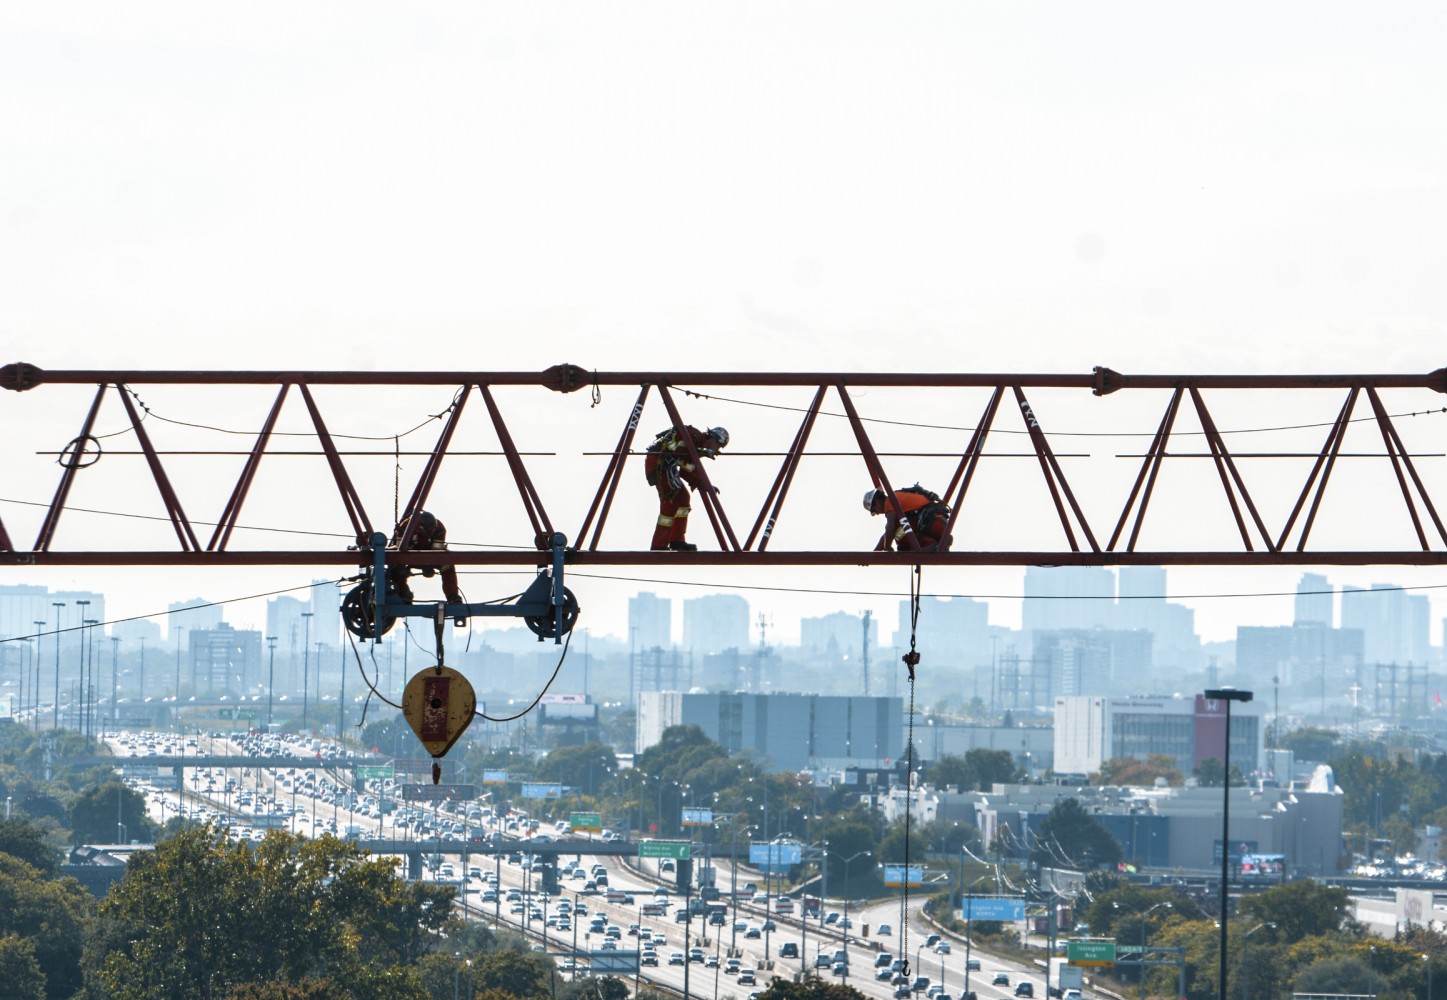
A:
[976,770]
[1070,835]
[310,989]
[51,913]
[26,840]
[892,847]
[595,988]
[20,968]
[848,837]
[95,812]
[1310,743]
[1209,774]
[201,914]
[1299,909]
[680,750]
[811,989]
[1137,773]
[585,766]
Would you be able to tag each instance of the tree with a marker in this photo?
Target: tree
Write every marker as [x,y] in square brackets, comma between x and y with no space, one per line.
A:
[1310,743]
[309,989]
[201,914]
[1070,836]
[585,766]
[1300,910]
[20,969]
[810,989]
[52,915]
[1138,773]
[25,840]
[1209,773]
[94,815]
[892,848]
[595,988]
[986,768]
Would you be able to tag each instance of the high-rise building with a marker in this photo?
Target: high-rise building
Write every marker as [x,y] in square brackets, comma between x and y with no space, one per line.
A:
[1091,730]
[196,613]
[1395,625]
[1066,597]
[1096,661]
[650,621]
[953,627]
[714,623]
[1315,597]
[842,632]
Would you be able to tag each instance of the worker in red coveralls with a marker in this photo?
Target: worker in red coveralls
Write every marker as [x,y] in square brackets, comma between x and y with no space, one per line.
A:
[926,516]
[430,533]
[669,468]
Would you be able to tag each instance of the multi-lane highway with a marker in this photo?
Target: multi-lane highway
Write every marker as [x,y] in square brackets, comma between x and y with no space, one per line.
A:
[632,911]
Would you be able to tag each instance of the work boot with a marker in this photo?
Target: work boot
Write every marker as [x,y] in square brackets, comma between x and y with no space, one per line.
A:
[683,546]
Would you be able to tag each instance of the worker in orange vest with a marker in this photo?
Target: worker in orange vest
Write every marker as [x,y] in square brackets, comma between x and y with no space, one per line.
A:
[430,533]
[926,516]
[670,469]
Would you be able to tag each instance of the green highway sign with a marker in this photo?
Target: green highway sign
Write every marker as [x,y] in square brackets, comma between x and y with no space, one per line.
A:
[223,713]
[246,713]
[678,850]
[1094,953]
[377,773]
[585,821]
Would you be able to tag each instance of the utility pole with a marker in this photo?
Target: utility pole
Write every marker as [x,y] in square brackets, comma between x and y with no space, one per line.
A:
[115,675]
[83,604]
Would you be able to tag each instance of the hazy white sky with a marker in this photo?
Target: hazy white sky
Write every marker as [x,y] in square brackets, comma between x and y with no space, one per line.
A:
[742,186]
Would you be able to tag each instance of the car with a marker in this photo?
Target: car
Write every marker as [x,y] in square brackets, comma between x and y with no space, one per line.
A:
[902,992]
[753,934]
[695,955]
[883,960]
[822,961]
[935,992]
[711,962]
[920,984]
[768,925]
[1071,994]
[741,925]
[884,975]
[1025,988]
[1001,979]
[747,977]
[789,949]
[732,966]
[932,940]
[840,969]
[676,958]
[943,948]
[832,918]
[884,930]
[973,964]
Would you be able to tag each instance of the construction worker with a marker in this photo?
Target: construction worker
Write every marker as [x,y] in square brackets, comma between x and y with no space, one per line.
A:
[670,469]
[429,533]
[926,516]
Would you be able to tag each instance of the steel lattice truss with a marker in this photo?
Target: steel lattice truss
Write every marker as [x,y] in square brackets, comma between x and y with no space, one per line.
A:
[1070,537]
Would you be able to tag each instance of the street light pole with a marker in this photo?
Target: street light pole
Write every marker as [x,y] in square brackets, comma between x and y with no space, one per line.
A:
[1141,915]
[305,665]
[844,928]
[969,915]
[1246,959]
[270,676]
[57,606]
[1228,695]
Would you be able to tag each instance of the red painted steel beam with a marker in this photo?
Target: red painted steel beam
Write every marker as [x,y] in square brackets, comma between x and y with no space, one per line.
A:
[772,557]
[1102,381]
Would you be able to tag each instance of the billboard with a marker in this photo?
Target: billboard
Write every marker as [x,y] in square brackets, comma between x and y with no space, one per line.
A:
[775,857]
[1004,908]
[541,790]
[697,817]
[903,874]
[494,777]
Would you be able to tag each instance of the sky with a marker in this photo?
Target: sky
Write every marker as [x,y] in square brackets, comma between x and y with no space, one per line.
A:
[1031,187]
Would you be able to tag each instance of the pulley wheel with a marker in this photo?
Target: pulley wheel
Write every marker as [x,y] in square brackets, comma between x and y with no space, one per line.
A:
[546,626]
[357,612]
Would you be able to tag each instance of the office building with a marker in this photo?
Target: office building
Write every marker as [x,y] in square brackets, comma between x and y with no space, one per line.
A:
[784,732]
[650,621]
[714,623]
[1315,601]
[1395,624]
[1089,730]
[1068,597]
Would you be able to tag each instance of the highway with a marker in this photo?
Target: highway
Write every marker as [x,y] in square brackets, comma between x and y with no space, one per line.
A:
[316,802]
